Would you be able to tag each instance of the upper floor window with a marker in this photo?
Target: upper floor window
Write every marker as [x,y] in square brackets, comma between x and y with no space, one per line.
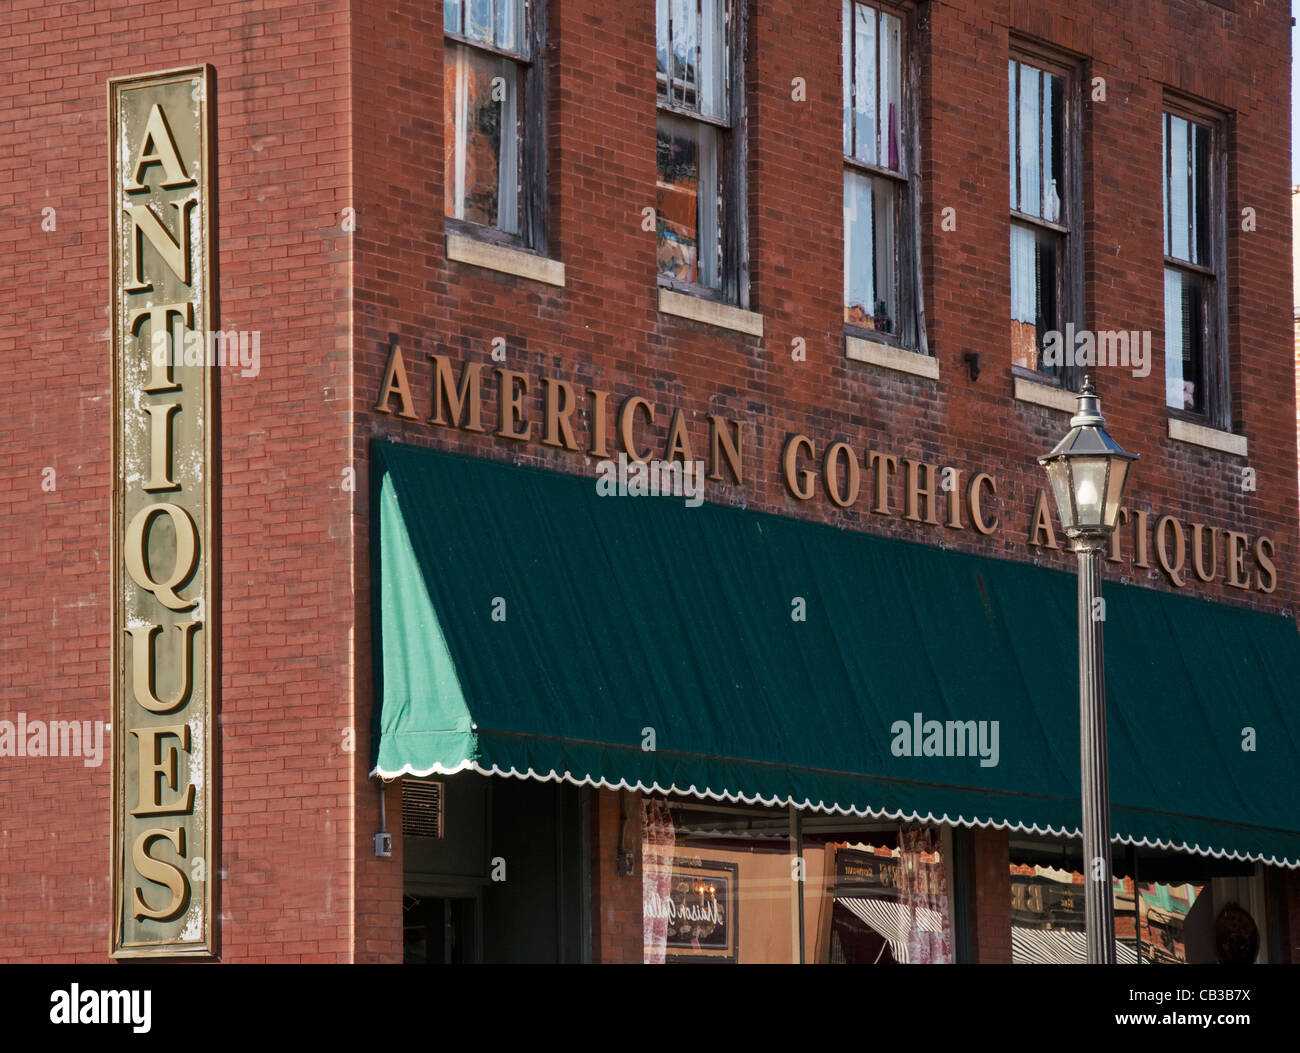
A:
[700,188]
[1195,377]
[879,285]
[1045,259]
[493,120]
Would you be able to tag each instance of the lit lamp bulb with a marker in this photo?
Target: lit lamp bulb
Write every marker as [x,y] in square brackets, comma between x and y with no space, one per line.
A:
[1087,493]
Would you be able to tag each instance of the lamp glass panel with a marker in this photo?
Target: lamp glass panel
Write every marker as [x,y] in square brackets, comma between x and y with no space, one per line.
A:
[1058,474]
[1089,477]
[1115,490]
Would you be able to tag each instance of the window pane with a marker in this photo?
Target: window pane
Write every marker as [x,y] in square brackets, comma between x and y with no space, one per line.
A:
[1035,256]
[1035,120]
[1164,178]
[451,14]
[685,42]
[1179,206]
[846,75]
[713,59]
[478,20]
[870,264]
[1184,340]
[662,47]
[1013,134]
[874,896]
[687,202]
[716,885]
[891,90]
[1165,908]
[482,136]
[1031,186]
[1053,97]
[864,84]
[509,30]
[1200,195]
[1172,921]
[1047,923]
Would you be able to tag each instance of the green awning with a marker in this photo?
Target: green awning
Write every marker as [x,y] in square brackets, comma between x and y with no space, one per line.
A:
[527,626]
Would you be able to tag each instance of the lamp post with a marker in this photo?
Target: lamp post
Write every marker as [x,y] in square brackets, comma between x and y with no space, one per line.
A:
[1087,472]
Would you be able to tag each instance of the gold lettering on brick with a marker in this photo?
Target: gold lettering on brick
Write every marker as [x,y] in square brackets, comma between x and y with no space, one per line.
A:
[164,520]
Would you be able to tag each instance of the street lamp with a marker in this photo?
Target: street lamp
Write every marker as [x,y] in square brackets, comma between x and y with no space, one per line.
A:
[1087,471]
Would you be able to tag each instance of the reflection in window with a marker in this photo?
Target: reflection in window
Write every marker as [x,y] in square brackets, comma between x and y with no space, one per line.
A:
[687,201]
[1164,912]
[1047,923]
[1154,920]
[482,111]
[717,884]
[722,884]
[481,99]
[692,47]
[878,898]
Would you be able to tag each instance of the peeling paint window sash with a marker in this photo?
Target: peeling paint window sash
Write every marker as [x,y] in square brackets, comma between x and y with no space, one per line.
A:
[1194,193]
[1043,115]
[700,156]
[494,123]
[693,52]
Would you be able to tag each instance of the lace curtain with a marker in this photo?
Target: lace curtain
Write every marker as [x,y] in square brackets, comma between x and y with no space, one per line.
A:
[923,897]
[657,843]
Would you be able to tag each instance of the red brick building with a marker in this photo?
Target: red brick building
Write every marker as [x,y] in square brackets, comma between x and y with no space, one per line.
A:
[516,241]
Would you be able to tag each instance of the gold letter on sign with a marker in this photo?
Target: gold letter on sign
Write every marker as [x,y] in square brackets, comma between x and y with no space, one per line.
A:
[164,521]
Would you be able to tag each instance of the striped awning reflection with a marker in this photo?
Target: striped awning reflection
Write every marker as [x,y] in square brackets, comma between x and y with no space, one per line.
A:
[1030,946]
[891,921]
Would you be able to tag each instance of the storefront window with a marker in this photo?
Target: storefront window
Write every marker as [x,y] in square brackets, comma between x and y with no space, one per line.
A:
[744,885]
[1047,923]
[1164,909]
[1181,909]
[719,884]
[876,894]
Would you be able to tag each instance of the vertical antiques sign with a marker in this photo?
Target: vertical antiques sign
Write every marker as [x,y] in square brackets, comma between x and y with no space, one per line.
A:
[163,517]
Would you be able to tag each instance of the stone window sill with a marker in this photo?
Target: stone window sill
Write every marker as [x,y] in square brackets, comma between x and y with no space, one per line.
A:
[1210,438]
[1046,395]
[710,312]
[504,259]
[887,356]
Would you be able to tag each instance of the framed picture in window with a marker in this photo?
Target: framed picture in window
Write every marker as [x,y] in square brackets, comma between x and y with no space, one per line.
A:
[702,911]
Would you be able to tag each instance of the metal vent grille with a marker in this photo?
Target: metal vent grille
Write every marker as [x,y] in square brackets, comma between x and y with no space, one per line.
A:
[421,808]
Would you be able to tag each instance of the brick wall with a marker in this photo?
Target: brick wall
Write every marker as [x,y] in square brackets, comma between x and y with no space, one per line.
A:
[617,933]
[287,791]
[990,896]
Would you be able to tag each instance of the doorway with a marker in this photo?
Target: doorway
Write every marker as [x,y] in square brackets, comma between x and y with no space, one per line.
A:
[441,930]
